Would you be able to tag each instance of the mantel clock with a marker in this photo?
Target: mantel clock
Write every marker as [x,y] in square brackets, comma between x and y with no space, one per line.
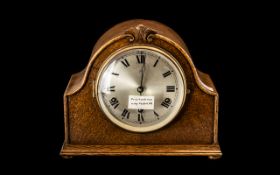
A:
[140,94]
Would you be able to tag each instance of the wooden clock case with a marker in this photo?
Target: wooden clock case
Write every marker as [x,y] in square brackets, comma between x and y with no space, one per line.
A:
[194,132]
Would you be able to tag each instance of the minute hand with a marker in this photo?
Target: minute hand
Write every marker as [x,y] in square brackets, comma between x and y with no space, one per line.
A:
[142,77]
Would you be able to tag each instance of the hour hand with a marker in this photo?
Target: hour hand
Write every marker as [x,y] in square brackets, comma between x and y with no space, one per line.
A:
[140,89]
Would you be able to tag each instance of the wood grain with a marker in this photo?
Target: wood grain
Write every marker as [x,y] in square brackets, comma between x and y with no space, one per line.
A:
[143,150]
[89,132]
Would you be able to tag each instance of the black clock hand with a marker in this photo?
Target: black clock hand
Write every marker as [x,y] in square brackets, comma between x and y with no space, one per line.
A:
[140,89]
[142,76]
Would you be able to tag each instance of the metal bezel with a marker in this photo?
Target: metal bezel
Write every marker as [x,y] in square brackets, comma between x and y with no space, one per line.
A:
[147,128]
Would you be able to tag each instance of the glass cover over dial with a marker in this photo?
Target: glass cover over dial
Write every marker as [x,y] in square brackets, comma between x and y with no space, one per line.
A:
[141,89]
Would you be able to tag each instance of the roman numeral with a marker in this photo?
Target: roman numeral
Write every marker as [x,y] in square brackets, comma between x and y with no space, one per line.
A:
[125,62]
[125,113]
[166,103]
[156,62]
[140,118]
[156,114]
[114,102]
[141,58]
[166,74]
[170,88]
[115,74]
[111,88]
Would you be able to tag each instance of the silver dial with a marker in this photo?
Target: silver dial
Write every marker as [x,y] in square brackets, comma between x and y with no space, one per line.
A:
[141,88]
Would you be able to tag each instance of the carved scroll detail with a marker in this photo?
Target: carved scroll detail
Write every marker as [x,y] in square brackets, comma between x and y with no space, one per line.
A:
[140,34]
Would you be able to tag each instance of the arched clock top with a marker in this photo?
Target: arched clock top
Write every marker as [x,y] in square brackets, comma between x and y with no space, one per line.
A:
[139,32]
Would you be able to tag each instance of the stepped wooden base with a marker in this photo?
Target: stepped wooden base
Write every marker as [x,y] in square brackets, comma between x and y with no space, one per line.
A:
[212,151]
[85,123]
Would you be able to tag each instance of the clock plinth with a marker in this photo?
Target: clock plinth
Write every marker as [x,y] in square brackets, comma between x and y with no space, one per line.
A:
[89,131]
[212,151]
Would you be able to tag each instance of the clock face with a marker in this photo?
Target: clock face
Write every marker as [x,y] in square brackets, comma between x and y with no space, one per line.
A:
[141,88]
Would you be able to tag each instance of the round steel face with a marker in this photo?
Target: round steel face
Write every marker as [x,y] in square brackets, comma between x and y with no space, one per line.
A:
[141,88]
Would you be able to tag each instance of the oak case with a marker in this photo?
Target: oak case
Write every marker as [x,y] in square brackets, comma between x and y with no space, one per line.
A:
[88,131]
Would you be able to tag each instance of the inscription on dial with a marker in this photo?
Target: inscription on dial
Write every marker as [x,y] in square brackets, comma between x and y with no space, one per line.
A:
[114,102]
[166,74]
[141,58]
[125,62]
[125,114]
[166,102]
[140,102]
[111,88]
[155,64]
[140,116]
[141,89]
[170,88]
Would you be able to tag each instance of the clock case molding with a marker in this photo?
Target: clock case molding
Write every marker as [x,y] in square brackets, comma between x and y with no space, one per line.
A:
[88,132]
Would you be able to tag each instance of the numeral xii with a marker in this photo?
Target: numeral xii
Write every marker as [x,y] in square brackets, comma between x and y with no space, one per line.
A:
[141,58]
